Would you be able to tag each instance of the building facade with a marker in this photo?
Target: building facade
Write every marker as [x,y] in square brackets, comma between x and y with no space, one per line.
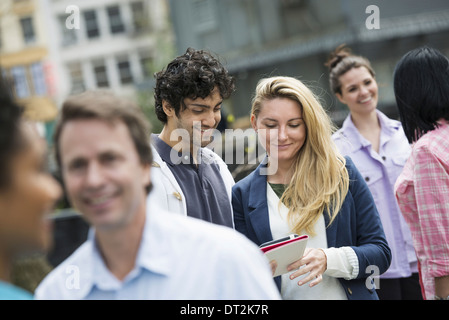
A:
[50,49]
[104,44]
[25,59]
[259,38]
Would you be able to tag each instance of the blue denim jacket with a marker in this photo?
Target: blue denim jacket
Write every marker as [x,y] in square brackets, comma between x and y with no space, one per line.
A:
[380,171]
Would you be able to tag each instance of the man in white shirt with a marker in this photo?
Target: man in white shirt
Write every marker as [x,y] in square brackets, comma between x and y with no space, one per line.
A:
[136,250]
[191,179]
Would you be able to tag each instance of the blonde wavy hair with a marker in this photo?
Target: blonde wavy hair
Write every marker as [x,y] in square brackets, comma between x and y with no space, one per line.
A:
[320,180]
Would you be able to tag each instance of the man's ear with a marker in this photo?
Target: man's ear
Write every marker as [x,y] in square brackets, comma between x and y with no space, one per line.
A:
[169,111]
[146,177]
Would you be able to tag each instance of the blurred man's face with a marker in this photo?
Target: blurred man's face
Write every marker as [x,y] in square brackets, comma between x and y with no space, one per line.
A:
[29,198]
[104,177]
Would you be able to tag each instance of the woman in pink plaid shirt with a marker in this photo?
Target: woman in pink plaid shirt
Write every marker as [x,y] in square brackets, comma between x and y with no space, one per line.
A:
[421,85]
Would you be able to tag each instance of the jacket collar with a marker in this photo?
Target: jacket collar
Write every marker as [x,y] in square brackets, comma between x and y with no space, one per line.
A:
[388,128]
[258,188]
[257,203]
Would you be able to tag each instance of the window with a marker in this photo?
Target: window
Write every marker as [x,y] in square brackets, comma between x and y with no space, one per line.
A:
[21,85]
[115,20]
[27,30]
[68,36]
[101,74]
[90,18]
[124,69]
[140,19]
[38,76]
[76,76]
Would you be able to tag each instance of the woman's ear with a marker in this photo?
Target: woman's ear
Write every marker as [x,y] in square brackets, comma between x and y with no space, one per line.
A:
[340,98]
[254,122]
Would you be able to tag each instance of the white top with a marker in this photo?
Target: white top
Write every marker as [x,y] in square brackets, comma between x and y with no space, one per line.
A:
[341,262]
[179,258]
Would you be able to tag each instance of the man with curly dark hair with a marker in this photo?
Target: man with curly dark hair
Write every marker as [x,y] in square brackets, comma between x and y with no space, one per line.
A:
[190,179]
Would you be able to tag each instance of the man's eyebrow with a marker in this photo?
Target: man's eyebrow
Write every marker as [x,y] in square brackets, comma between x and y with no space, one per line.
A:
[204,105]
[75,161]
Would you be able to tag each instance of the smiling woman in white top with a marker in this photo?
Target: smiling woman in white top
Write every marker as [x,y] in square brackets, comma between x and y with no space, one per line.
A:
[379,149]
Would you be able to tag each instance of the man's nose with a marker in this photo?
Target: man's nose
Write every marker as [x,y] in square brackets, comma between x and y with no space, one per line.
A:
[210,120]
[94,176]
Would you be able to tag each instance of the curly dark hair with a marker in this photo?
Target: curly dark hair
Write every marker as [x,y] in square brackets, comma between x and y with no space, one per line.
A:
[192,75]
[10,132]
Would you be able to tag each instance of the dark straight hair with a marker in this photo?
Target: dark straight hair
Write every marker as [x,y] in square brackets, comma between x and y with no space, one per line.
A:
[421,88]
[11,139]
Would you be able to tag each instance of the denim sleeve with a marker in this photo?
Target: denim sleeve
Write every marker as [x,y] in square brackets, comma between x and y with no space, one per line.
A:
[371,244]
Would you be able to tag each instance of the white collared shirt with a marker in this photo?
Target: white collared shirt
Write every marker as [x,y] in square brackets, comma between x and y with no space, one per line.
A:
[179,258]
[167,192]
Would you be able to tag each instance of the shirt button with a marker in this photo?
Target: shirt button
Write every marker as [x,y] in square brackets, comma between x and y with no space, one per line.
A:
[384,158]
[366,179]
[155,164]
[177,195]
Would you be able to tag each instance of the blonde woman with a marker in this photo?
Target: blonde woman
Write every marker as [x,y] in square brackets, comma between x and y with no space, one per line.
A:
[309,188]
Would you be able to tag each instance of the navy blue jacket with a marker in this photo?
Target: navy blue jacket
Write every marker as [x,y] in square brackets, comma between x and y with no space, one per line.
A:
[357,225]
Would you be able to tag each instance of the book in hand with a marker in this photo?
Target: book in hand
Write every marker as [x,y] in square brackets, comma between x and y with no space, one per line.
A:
[285,251]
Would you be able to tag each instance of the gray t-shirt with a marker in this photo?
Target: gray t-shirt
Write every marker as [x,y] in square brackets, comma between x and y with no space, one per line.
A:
[202,185]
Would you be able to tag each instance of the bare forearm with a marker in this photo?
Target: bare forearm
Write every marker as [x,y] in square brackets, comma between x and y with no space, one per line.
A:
[442,286]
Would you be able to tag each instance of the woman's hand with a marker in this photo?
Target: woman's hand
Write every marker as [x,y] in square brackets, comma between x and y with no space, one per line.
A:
[314,262]
[273,265]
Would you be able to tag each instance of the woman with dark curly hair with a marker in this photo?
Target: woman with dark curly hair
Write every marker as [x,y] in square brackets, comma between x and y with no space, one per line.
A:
[190,179]
[27,192]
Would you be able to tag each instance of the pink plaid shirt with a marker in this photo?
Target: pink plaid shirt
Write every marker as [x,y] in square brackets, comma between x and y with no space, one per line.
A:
[422,191]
